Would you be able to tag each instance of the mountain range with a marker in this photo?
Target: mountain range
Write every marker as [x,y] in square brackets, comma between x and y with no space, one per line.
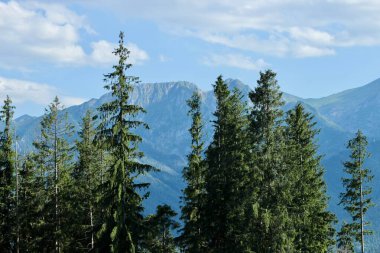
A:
[167,142]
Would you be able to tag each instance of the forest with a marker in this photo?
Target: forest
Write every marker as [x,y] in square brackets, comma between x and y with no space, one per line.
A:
[257,187]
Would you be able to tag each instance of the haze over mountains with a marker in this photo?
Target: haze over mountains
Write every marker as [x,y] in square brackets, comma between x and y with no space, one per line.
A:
[166,143]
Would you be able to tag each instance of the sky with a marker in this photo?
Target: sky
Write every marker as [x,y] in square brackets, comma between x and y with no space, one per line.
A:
[63,48]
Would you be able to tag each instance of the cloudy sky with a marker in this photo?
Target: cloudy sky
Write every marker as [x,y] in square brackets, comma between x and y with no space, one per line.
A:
[63,48]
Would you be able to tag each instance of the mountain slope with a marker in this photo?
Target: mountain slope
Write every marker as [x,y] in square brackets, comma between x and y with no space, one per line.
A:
[353,109]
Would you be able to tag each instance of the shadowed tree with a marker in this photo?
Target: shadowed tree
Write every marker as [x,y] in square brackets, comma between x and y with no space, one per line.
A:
[7,180]
[159,238]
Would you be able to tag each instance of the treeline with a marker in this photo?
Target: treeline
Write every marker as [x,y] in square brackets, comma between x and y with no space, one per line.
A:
[257,187]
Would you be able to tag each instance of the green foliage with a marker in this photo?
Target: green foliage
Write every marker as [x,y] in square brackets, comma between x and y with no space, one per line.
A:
[226,174]
[53,160]
[345,241]
[307,199]
[356,198]
[120,198]
[7,180]
[29,206]
[86,179]
[159,237]
[270,186]
[192,238]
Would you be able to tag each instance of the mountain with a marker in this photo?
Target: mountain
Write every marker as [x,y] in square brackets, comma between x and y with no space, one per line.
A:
[167,142]
[353,109]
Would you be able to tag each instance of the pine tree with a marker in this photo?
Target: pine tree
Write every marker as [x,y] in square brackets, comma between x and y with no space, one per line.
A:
[193,200]
[121,199]
[356,199]
[226,173]
[307,199]
[159,238]
[7,180]
[345,241]
[270,223]
[54,161]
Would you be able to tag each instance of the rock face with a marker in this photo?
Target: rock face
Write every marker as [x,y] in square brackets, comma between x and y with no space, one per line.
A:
[166,143]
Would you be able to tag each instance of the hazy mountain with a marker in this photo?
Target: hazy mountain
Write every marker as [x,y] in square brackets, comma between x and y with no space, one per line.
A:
[166,143]
[353,109]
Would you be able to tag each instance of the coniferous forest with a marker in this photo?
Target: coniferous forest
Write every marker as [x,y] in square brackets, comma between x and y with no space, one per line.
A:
[257,187]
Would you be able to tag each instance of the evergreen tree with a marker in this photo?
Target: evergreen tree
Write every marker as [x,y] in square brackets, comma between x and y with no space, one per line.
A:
[28,206]
[307,201]
[225,179]
[7,182]
[345,241]
[270,223]
[159,238]
[191,239]
[54,161]
[356,199]
[121,199]
[85,182]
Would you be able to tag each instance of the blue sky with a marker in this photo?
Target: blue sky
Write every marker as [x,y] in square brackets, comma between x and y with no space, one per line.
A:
[63,48]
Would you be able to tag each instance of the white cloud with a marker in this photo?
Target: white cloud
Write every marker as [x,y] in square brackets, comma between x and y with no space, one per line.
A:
[34,32]
[234,60]
[310,51]
[69,101]
[277,27]
[137,55]
[21,91]
[311,35]
[31,30]
[102,53]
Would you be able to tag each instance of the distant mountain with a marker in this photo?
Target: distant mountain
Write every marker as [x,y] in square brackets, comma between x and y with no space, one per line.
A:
[353,109]
[167,142]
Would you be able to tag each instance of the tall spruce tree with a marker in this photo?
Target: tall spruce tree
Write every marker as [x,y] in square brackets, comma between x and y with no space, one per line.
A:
[121,199]
[356,198]
[7,180]
[54,161]
[312,223]
[192,239]
[270,224]
[226,176]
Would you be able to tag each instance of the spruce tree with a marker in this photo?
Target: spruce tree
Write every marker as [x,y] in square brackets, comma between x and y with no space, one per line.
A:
[225,178]
[121,197]
[159,238]
[270,221]
[7,180]
[28,205]
[54,162]
[356,198]
[307,199]
[193,195]
[85,182]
